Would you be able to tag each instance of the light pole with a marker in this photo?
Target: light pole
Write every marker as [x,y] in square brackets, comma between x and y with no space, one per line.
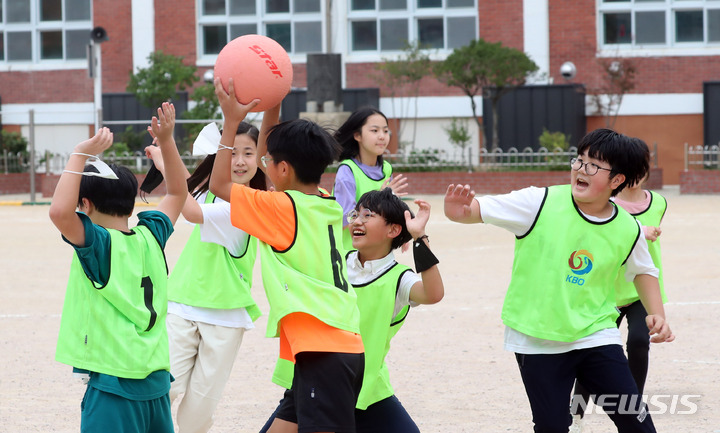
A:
[98,35]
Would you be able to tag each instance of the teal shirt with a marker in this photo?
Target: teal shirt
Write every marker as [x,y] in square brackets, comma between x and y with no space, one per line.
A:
[95,261]
[95,257]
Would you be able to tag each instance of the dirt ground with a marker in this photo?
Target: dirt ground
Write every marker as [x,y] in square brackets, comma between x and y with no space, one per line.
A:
[447,364]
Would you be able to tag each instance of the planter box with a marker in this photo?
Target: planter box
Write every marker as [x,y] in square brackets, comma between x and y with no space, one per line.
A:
[488,182]
[692,182]
[700,182]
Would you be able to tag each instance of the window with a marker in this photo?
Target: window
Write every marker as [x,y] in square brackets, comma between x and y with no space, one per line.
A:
[659,23]
[297,25]
[44,31]
[388,25]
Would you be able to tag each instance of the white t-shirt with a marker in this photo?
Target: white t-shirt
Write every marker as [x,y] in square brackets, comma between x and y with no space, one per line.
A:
[217,228]
[516,213]
[359,274]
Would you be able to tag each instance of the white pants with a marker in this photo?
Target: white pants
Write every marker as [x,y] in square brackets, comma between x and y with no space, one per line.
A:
[201,359]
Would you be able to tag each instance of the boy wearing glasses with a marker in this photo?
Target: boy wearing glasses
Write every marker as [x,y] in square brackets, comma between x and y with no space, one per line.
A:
[380,224]
[559,310]
[313,308]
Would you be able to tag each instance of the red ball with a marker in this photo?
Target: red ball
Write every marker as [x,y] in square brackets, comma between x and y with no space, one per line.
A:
[260,69]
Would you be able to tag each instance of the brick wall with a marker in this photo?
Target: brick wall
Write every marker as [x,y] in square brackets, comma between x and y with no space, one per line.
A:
[700,182]
[19,183]
[175,29]
[693,182]
[117,62]
[573,37]
[366,75]
[488,182]
[25,87]
[502,21]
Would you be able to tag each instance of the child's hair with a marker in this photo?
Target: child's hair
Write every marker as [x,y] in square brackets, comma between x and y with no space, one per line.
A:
[645,151]
[114,197]
[392,208]
[199,181]
[305,145]
[345,135]
[623,154]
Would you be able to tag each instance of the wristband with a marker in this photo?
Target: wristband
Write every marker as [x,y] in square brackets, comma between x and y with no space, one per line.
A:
[424,258]
[223,147]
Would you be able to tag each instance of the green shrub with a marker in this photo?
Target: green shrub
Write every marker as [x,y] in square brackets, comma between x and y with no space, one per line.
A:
[555,143]
[13,142]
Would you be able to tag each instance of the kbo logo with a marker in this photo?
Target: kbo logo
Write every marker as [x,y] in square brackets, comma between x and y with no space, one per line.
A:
[581,263]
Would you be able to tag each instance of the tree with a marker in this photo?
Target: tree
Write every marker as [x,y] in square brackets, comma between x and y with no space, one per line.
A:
[161,80]
[405,73]
[206,107]
[459,136]
[618,78]
[485,68]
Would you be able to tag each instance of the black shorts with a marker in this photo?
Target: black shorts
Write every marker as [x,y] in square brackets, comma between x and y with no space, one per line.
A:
[324,392]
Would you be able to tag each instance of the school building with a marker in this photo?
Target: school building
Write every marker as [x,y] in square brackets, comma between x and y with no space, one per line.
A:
[673,44]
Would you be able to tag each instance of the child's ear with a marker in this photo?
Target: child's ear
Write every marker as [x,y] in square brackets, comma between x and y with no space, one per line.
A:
[284,169]
[617,180]
[86,206]
[394,230]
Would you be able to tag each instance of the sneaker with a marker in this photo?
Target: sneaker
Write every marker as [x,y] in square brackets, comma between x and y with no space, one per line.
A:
[577,424]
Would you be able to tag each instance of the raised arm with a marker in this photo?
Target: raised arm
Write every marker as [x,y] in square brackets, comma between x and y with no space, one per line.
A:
[270,119]
[431,289]
[65,198]
[461,206]
[175,171]
[234,112]
[191,211]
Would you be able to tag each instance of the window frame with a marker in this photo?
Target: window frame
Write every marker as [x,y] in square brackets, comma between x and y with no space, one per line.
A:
[671,47]
[35,27]
[260,19]
[412,14]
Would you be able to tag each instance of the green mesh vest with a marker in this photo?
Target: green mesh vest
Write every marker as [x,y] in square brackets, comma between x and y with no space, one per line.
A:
[118,329]
[376,301]
[564,271]
[363,184]
[310,276]
[626,292]
[207,275]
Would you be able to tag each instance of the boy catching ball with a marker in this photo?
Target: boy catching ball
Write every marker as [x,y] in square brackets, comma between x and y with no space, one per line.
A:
[313,309]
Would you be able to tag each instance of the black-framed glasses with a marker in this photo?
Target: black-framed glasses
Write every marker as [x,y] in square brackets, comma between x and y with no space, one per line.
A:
[363,215]
[590,168]
[265,159]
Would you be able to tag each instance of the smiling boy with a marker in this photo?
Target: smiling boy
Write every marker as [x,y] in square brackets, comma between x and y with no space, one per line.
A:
[559,310]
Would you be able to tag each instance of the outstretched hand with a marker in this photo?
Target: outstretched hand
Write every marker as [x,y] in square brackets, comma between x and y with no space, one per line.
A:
[458,199]
[163,125]
[416,226]
[99,143]
[233,110]
[397,184]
